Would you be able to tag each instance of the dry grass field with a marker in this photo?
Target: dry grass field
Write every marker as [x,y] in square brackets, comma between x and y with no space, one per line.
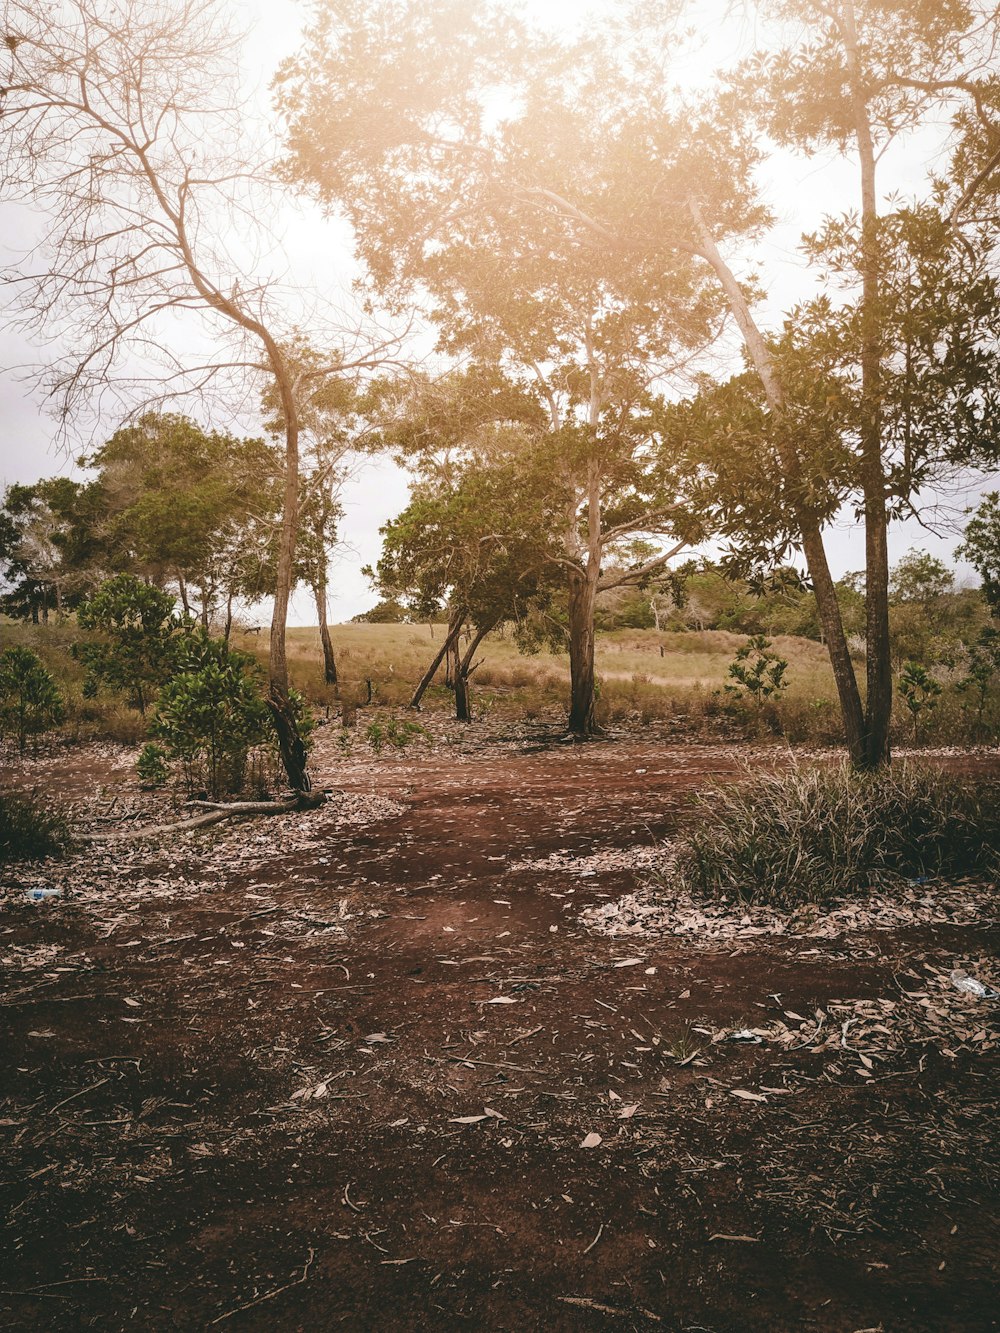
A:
[643,675]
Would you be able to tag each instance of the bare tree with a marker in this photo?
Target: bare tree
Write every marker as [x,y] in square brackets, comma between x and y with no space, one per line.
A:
[125,123]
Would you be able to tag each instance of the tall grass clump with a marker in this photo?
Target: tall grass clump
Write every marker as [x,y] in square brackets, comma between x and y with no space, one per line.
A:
[821,832]
[29,829]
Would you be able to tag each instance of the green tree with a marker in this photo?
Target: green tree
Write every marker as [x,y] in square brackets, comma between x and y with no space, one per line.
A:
[582,332]
[757,671]
[30,701]
[133,642]
[982,676]
[473,542]
[920,693]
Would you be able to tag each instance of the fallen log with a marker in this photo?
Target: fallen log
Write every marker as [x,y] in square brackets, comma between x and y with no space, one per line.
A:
[216,812]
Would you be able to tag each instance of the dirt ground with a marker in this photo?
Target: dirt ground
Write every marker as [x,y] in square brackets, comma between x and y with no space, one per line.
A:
[345,1069]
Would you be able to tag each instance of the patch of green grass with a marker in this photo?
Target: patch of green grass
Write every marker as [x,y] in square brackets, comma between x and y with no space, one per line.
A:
[815,833]
[29,829]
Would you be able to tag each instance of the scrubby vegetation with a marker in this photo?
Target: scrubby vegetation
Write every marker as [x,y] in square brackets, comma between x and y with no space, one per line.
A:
[30,828]
[819,832]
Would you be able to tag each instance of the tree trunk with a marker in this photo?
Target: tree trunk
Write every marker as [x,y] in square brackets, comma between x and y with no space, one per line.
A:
[463,669]
[582,596]
[182,589]
[329,661]
[229,618]
[450,657]
[878,707]
[290,743]
[454,629]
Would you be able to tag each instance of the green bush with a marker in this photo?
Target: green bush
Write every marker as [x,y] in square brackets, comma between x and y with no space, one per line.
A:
[814,833]
[152,765]
[759,674]
[30,830]
[213,719]
[30,701]
[211,714]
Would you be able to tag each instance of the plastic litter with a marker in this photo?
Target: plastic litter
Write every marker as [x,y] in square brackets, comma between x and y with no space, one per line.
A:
[40,895]
[961,980]
[746,1036]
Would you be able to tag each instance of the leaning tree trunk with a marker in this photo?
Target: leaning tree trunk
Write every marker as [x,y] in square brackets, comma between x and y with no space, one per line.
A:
[851,711]
[450,639]
[463,670]
[329,661]
[582,597]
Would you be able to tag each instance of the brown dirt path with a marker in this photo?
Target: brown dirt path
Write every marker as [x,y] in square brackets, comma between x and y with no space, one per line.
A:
[240,1105]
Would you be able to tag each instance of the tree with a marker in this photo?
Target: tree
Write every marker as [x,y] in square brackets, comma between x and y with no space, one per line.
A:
[860,74]
[472,541]
[134,138]
[584,332]
[338,423]
[30,701]
[133,646]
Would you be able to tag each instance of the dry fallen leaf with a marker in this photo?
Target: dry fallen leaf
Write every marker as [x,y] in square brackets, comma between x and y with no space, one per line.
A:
[592,1141]
[747,1096]
[501,999]
[627,1112]
[467,1119]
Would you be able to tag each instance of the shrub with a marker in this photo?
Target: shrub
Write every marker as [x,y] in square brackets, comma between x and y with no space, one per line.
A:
[30,830]
[152,765]
[919,691]
[212,714]
[397,735]
[30,701]
[758,673]
[814,833]
[982,668]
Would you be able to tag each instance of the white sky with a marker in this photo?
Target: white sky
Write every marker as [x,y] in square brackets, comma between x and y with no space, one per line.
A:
[800,192]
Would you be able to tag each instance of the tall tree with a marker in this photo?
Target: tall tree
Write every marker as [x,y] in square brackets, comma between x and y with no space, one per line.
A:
[132,134]
[585,332]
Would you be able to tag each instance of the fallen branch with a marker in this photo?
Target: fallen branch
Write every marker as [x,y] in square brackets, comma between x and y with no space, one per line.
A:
[217,811]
